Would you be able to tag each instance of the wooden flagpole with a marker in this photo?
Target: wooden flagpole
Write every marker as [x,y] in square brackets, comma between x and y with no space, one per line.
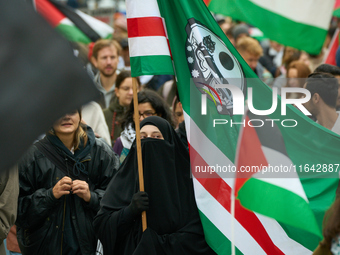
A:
[138,144]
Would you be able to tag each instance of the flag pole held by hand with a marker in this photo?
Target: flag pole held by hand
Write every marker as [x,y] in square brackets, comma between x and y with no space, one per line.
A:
[138,144]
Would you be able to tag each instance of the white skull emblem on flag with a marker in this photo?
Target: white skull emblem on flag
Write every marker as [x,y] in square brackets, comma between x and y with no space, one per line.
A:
[210,63]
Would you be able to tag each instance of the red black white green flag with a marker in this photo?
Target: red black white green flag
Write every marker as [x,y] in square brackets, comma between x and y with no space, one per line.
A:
[336,11]
[272,186]
[330,57]
[74,25]
[297,23]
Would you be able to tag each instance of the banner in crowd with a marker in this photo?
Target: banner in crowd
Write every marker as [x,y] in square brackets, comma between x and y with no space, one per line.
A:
[336,11]
[148,41]
[263,148]
[203,60]
[296,23]
[74,25]
[330,57]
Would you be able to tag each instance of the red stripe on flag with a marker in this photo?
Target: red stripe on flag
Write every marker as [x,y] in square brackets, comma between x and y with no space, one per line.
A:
[333,47]
[221,191]
[148,26]
[250,155]
[336,5]
[49,12]
[207,2]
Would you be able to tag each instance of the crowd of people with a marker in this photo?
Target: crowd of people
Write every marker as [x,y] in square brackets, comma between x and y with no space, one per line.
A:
[77,187]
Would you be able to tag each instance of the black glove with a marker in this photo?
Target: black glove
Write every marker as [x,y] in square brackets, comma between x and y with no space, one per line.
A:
[139,203]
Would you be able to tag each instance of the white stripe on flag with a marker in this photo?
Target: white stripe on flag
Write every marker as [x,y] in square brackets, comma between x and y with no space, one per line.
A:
[142,46]
[66,21]
[208,151]
[102,29]
[142,8]
[280,238]
[275,158]
[221,218]
[301,11]
[192,128]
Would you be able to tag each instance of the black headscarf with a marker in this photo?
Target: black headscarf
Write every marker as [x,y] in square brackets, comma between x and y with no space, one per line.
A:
[173,222]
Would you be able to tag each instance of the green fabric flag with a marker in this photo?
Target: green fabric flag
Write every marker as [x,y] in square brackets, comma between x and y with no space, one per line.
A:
[296,23]
[203,59]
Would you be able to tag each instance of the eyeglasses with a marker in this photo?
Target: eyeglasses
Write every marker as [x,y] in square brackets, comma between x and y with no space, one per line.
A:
[147,114]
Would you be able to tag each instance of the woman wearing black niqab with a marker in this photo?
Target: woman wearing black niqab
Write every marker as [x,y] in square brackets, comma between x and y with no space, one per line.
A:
[173,223]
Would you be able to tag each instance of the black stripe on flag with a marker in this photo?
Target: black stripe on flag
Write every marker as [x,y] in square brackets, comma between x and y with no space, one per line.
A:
[77,20]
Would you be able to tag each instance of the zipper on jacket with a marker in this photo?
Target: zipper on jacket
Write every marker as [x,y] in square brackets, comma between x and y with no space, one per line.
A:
[63,226]
[64,213]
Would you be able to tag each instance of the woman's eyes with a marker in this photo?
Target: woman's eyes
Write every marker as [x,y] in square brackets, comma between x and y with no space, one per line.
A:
[153,136]
[157,136]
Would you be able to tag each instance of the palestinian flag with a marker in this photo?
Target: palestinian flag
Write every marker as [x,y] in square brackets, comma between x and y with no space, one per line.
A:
[297,23]
[148,40]
[203,60]
[336,12]
[330,57]
[272,179]
[74,25]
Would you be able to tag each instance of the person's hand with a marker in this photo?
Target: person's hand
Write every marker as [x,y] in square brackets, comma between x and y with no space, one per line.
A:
[63,187]
[139,203]
[81,189]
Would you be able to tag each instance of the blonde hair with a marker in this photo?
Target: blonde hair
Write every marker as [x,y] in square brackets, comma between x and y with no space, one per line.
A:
[250,45]
[103,43]
[79,134]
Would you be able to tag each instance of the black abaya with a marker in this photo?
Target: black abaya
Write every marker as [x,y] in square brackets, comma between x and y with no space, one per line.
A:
[173,224]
